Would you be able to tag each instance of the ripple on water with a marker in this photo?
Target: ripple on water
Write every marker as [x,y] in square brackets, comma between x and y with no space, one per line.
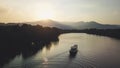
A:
[64,61]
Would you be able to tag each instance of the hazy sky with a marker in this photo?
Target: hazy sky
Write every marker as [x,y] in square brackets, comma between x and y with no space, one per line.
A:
[103,11]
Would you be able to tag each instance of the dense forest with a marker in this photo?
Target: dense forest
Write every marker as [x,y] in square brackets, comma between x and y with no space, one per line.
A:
[27,33]
[114,33]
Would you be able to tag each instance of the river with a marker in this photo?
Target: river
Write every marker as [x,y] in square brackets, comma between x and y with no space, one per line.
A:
[93,52]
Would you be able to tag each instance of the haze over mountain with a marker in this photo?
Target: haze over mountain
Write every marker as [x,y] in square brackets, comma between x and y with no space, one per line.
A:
[75,25]
[72,25]
[93,24]
[52,23]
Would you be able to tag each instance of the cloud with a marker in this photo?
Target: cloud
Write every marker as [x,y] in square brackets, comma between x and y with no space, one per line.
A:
[116,12]
[3,10]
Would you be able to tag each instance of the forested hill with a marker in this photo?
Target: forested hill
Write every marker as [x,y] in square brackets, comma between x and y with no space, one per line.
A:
[26,33]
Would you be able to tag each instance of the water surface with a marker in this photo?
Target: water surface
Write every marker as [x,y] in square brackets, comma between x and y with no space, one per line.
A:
[94,52]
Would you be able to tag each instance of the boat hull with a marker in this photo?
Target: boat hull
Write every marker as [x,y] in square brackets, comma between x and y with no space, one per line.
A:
[73,52]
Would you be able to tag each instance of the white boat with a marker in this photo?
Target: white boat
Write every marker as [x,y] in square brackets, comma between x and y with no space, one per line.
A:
[74,50]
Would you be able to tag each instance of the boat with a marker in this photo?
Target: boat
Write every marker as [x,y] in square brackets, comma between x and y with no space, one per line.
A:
[73,50]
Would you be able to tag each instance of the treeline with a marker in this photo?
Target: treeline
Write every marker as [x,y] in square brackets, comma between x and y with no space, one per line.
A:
[114,33]
[27,33]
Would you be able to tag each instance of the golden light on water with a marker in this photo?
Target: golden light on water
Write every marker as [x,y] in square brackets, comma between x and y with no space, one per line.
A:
[45,61]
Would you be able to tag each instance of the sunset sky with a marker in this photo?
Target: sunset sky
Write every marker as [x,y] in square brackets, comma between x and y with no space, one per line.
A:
[103,11]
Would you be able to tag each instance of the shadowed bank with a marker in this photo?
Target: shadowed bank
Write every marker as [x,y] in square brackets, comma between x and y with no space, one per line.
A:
[26,40]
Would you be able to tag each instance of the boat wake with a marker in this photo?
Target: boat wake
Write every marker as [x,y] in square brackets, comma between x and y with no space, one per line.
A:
[64,60]
[61,60]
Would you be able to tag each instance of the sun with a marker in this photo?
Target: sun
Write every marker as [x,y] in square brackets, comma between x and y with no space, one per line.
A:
[46,15]
[44,12]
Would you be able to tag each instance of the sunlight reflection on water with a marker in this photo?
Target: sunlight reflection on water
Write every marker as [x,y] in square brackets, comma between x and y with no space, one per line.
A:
[94,52]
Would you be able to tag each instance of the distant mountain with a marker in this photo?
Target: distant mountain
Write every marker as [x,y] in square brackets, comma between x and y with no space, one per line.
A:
[92,24]
[74,25]
[51,23]
[66,25]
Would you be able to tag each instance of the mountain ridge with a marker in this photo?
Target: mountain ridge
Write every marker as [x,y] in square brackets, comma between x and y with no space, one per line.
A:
[74,25]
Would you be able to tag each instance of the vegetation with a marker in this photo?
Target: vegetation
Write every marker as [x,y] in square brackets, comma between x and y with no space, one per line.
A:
[114,33]
[27,33]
